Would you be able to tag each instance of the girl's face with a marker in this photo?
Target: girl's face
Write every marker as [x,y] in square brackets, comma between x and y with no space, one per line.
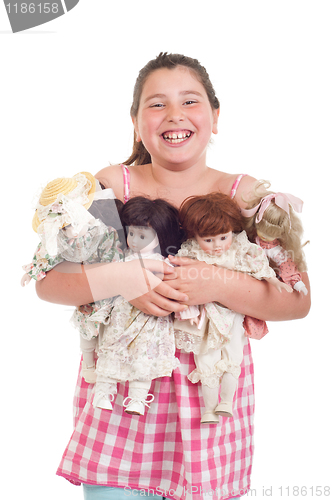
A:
[215,245]
[142,239]
[175,119]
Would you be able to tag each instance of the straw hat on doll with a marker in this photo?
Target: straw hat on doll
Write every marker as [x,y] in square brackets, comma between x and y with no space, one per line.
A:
[65,186]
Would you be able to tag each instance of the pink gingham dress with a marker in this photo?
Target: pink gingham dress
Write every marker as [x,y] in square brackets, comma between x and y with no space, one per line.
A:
[166,450]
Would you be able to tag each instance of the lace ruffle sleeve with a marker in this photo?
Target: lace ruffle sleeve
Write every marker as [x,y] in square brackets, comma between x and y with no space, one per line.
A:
[41,263]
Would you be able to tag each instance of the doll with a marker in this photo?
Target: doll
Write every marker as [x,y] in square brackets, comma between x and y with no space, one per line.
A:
[272,224]
[213,224]
[137,347]
[65,220]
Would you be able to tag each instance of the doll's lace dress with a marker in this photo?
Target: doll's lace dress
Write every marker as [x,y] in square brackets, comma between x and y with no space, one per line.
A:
[100,244]
[242,256]
[135,345]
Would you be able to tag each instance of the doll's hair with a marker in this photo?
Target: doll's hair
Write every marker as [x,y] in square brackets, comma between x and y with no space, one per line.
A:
[276,224]
[209,215]
[160,216]
[140,156]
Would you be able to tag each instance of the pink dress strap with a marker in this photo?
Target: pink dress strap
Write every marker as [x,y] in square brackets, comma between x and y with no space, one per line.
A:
[236,184]
[126,183]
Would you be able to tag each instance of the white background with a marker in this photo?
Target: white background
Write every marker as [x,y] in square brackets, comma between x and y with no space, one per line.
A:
[65,96]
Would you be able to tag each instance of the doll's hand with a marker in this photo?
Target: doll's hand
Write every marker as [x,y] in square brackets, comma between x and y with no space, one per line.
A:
[280,286]
[300,287]
[25,279]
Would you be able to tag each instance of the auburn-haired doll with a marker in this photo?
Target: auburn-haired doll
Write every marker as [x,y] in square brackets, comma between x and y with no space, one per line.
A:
[213,224]
[272,223]
[138,347]
[77,221]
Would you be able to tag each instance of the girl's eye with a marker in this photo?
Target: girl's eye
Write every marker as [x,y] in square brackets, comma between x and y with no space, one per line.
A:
[157,105]
[190,101]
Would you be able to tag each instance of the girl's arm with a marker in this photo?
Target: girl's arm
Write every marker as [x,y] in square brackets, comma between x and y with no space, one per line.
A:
[238,291]
[75,284]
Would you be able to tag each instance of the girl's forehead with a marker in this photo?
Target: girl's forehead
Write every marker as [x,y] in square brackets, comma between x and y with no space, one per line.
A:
[164,80]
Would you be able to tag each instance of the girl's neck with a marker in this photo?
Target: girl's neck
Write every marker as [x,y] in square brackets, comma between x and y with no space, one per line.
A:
[180,176]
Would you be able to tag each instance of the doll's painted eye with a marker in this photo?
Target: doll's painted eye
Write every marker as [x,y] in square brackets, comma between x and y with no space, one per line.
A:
[142,237]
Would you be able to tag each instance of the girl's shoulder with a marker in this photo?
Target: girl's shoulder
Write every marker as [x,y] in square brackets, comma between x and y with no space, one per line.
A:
[112,177]
[242,184]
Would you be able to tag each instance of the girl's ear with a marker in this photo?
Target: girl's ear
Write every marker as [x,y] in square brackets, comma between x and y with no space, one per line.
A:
[216,113]
[137,136]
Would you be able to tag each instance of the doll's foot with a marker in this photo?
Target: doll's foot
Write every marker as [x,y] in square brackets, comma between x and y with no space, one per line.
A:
[136,406]
[103,401]
[210,417]
[88,373]
[225,409]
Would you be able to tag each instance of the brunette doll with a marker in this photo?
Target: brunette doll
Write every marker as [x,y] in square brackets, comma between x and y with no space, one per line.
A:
[137,347]
[213,224]
[69,223]
[273,224]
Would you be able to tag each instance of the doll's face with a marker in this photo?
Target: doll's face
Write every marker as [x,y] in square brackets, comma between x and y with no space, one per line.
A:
[215,245]
[142,239]
[264,237]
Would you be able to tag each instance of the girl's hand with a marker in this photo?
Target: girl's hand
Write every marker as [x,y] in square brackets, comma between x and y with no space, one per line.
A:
[194,279]
[145,289]
[161,301]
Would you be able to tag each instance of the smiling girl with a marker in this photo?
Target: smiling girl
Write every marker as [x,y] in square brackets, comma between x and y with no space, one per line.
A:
[174,112]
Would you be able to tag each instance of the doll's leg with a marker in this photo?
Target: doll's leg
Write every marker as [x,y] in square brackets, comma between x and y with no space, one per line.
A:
[88,366]
[210,384]
[138,397]
[105,389]
[232,355]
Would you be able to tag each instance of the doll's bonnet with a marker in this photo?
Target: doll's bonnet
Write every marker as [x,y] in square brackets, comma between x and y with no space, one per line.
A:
[52,201]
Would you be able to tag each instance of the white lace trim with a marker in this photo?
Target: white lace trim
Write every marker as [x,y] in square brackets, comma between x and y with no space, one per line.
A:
[242,256]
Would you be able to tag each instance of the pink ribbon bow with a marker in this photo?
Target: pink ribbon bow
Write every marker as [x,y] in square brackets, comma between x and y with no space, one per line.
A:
[282,200]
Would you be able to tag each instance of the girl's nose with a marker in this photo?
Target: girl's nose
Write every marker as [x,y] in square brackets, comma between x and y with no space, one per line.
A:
[175,114]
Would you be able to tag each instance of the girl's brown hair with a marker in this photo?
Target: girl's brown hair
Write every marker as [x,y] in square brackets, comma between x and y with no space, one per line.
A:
[209,215]
[140,156]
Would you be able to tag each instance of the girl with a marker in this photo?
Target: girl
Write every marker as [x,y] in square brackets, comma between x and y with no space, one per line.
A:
[138,347]
[213,224]
[68,231]
[174,111]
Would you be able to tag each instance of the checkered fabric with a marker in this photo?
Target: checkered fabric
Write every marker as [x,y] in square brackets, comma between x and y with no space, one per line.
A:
[166,450]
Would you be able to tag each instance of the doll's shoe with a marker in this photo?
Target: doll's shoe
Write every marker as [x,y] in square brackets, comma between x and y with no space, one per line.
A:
[103,401]
[136,406]
[225,409]
[210,417]
[88,373]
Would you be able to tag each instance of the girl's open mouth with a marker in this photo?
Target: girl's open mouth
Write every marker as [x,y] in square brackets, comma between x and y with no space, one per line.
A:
[176,137]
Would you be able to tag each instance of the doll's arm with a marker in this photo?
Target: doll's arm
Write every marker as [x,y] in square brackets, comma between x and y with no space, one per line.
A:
[41,263]
[109,249]
[280,286]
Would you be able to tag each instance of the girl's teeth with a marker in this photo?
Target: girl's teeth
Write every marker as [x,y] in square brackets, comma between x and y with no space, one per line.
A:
[176,138]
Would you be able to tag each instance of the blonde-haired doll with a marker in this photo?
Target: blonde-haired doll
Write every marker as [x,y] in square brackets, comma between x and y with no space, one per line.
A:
[68,222]
[272,224]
